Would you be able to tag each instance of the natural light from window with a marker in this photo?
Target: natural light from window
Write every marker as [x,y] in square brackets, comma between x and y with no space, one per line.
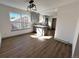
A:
[41,38]
[19,21]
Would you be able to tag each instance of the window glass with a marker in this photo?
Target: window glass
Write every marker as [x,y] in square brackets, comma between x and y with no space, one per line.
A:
[19,21]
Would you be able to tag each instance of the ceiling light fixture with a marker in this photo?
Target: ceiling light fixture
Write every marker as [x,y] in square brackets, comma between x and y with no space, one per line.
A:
[31,6]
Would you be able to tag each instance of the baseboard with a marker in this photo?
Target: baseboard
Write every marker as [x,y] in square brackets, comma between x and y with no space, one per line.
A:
[66,42]
[16,35]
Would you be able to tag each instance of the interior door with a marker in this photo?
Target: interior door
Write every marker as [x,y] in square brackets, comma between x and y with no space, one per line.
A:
[53,23]
[46,21]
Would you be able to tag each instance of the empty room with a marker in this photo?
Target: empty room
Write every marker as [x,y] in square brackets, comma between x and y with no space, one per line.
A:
[39,28]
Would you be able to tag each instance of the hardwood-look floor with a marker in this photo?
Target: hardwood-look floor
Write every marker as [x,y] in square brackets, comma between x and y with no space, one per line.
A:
[24,46]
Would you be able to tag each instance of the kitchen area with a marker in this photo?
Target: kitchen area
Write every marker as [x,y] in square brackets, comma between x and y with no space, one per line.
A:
[43,25]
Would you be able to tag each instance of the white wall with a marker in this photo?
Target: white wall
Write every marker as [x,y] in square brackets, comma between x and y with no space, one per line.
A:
[0,40]
[75,38]
[34,17]
[67,17]
[5,27]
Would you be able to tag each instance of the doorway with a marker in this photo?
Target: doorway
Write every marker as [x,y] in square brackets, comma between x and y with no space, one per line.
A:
[53,23]
[53,27]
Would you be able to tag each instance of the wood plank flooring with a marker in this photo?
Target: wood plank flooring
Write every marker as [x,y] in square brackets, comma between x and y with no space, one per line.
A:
[24,46]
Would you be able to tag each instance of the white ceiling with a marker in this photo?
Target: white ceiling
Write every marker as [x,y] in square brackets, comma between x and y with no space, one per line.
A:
[43,6]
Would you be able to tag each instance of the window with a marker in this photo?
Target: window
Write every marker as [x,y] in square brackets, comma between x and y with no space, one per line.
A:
[19,21]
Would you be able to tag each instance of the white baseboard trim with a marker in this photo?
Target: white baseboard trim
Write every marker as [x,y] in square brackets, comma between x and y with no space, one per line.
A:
[66,42]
